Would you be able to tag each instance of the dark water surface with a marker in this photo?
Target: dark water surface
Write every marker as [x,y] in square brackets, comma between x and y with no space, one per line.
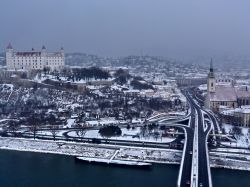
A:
[22,169]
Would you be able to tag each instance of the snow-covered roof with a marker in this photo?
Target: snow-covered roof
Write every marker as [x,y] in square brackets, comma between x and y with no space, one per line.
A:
[224,93]
[132,91]
[203,87]
[243,93]
[243,110]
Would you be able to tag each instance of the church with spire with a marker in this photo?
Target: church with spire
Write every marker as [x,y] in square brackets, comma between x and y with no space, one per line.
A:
[211,79]
[222,92]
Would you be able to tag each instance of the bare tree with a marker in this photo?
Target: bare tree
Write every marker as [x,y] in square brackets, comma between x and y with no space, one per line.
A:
[46,70]
[54,130]
[81,130]
[34,122]
[143,130]
[53,126]
[13,126]
[237,131]
[156,135]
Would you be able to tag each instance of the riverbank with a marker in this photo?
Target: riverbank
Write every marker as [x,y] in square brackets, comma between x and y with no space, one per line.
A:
[220,159]
[150,155]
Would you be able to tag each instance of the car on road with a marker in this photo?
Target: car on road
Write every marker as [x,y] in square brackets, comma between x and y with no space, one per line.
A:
[96,141]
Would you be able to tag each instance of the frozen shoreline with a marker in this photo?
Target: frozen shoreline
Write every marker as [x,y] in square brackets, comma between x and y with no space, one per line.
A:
[135,154]
[150,155]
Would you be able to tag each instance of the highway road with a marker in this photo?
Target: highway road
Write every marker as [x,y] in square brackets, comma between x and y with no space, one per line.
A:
[187,158]
[195,169]
[202,176]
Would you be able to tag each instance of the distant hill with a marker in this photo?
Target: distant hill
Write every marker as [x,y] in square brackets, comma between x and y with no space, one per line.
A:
[82,59]
[86,60]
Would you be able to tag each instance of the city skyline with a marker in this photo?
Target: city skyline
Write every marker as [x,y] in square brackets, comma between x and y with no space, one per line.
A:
[119,28]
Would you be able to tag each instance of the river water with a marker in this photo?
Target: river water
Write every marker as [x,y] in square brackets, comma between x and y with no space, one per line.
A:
[23,169]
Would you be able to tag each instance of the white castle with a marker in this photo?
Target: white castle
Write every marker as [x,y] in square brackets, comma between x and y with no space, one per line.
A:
[34,60]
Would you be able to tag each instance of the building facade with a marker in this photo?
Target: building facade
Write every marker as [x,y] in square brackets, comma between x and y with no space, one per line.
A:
[34,60]
[184,81]
[237,116]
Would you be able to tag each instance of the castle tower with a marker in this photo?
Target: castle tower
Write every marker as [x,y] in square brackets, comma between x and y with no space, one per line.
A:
[44,56]
[9,57]
[9,50]
[62,52]
[211,79]
[43,49]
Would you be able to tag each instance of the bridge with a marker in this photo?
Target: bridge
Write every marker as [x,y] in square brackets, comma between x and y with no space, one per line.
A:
[195,169]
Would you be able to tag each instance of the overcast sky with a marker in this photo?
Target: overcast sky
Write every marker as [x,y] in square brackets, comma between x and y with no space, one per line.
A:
[123,27]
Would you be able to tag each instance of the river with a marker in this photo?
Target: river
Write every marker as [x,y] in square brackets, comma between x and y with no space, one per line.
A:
[23,169]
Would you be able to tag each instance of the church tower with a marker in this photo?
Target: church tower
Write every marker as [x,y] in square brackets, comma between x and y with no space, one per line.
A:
[211,79]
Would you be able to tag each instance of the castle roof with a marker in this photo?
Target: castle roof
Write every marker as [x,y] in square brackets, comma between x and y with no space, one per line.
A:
[9,46]
[24,54]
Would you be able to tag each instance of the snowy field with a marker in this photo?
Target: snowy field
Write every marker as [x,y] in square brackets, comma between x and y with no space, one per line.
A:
[130,135]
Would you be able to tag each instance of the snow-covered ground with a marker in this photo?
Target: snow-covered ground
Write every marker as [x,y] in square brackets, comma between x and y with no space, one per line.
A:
[232,150]
[70,122]
[49,133]
[151,155]
[102,122]
[231,158]
[92,150]
[131,135]
[111,121]
[242,140]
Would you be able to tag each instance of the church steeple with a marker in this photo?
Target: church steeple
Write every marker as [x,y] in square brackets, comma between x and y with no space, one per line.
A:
[211,71]
[211,78]
[211,66]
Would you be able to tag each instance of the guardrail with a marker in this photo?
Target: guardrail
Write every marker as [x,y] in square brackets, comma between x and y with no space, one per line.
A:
[195,158]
